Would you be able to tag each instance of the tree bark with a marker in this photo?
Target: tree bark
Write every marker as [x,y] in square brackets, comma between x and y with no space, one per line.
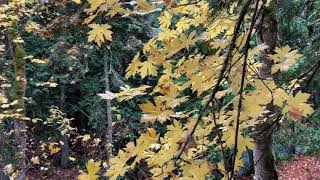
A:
[109,132]
[18,55]
[65,147]
[264,161]
[2,156]
[65,152]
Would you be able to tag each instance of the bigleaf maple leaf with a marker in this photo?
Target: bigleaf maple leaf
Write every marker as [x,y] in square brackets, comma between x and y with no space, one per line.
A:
[100,33]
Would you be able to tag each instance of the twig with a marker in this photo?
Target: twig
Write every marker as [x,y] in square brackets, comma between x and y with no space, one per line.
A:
[221,146]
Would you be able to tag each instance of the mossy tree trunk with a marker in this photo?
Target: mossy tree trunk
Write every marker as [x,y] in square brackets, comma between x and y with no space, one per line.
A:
[3,156]
[19,62]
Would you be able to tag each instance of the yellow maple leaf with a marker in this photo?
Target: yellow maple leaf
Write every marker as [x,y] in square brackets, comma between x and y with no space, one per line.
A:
[297,106]
[148,68]
[190,40]
[284,59]
[162,172]
[183,24]
[125,94]
[143,143]
[86,137]
[280,96]
[157,112]
[133,68]
[116,9]
[118,166]
[165,20]
[92,168]
[128,93]
[100,33]
[144,5]
[176,132]
[53,149]
[167,35]
[35,160]
[150,46]
[94,5]
[196,170]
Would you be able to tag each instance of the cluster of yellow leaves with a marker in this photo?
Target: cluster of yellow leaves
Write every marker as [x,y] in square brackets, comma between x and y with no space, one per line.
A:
[6,18]
[150,67]
[53,148]
[101,33]
[8,108]
[7,105]
[221,25]
[92,168]
[48,84]
[39,61]
[160,153]
[59,119]
[165,20]
[197,170]
[32,26]
[126,93]
[9,16]
[118,165]
[228,136]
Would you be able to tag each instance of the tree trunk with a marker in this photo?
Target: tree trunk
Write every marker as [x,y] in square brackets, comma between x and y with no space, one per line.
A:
[265,168]
[109,132]
[18,55]
[2,156]
[65,152]
[65,147]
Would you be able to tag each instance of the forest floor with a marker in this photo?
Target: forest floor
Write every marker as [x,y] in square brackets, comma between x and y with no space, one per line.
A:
[297,168]
[54,173]
[300,168]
